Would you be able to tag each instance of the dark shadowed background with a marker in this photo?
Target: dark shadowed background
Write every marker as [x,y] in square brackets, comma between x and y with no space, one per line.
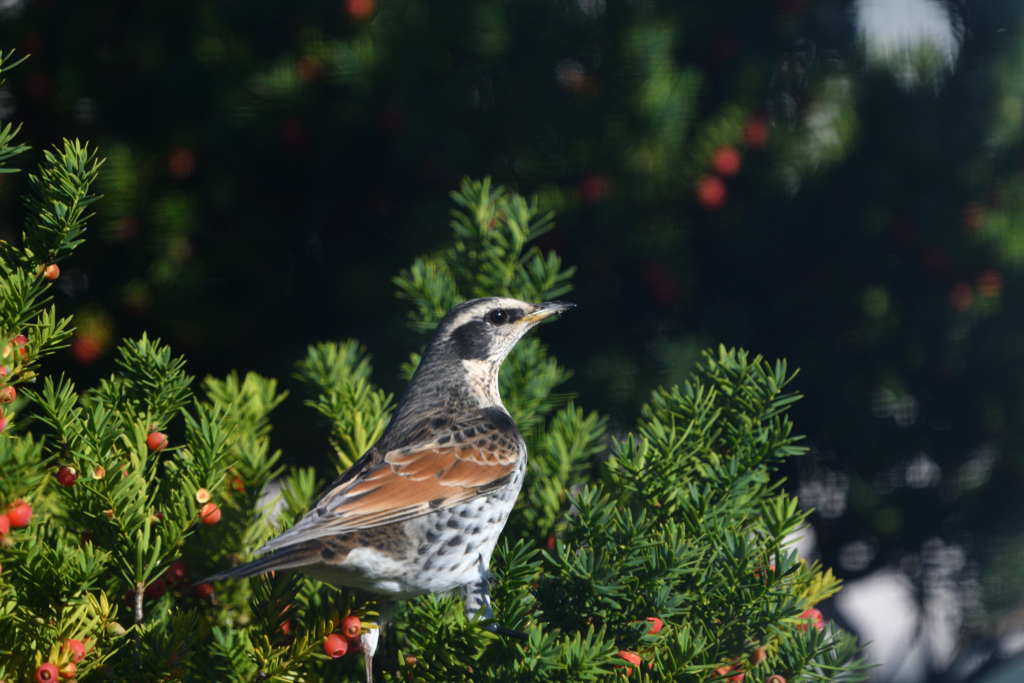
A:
[836,183]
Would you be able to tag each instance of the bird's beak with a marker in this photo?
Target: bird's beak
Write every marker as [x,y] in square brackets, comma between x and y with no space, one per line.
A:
[546,310]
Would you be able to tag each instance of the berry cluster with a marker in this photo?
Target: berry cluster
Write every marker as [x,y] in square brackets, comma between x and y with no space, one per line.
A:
[66,667]
[634,658]
[726,163]
[339,644]
[17,516]
[732,672]
[7,392]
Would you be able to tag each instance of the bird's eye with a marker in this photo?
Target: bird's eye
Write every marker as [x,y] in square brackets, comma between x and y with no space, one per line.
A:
[498,316]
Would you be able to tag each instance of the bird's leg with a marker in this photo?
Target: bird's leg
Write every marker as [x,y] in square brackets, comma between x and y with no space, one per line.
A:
[368,646]
[368,641]
[477,594]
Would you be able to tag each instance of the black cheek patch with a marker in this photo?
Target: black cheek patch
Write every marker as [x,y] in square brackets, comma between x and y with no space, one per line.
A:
[471,341]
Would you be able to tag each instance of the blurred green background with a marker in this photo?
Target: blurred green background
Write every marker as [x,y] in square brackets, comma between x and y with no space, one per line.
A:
[837,183]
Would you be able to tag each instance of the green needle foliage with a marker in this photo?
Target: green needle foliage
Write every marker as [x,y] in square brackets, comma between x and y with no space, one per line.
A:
[679,523]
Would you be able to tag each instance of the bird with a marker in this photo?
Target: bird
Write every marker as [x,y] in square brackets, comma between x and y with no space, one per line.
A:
[421,511]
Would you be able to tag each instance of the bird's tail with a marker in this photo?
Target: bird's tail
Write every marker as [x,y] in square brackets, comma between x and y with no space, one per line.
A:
[291,557]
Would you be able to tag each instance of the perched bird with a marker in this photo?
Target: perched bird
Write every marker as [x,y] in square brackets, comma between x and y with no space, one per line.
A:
[421,510]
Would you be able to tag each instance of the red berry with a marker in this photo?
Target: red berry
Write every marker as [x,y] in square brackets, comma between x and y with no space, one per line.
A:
[67,672]
[726,161]
[86,348]
[209,513]
[775,678]
[19,514]
[359,9]
[8,394]
[47,673]
[757,656]
[155,589]
[631,657]
[3,423]
[335,646]
[19,342]
[710,192]
[67,476]
[726,670]
[755,133]
[77,648]
[656,624]
[350,626]
[51,272]
[156,441]
[176,572]
[990,283]
[203,591]
[5,525]
[814,615]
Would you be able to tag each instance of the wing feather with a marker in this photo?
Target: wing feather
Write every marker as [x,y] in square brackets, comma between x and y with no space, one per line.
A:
[410,481]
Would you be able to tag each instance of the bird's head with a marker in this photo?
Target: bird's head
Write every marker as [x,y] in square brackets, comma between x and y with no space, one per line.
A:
[459,368]
[485,330]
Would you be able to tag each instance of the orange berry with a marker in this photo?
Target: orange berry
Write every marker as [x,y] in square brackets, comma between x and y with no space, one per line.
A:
[203,591]
[711,192]
[335,646]
[19,342]
[19,514]
[757,656]
[51,272]
[726,670]
[814,616]
[46,673]
[5,525]
[755,133]
[67,672]
[156,441]
[726,161]
[359,9]
[631,657]
[656,624]
[77,649]
[351,626]
[99,473]
[8,394]
[209,513]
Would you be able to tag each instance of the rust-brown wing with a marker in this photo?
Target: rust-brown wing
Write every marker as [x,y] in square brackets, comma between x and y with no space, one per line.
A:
[448,469]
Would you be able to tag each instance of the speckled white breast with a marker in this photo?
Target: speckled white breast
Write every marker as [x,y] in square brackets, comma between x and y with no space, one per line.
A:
[447,549]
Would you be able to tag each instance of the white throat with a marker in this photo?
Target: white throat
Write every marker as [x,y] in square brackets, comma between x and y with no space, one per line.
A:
[482,376]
